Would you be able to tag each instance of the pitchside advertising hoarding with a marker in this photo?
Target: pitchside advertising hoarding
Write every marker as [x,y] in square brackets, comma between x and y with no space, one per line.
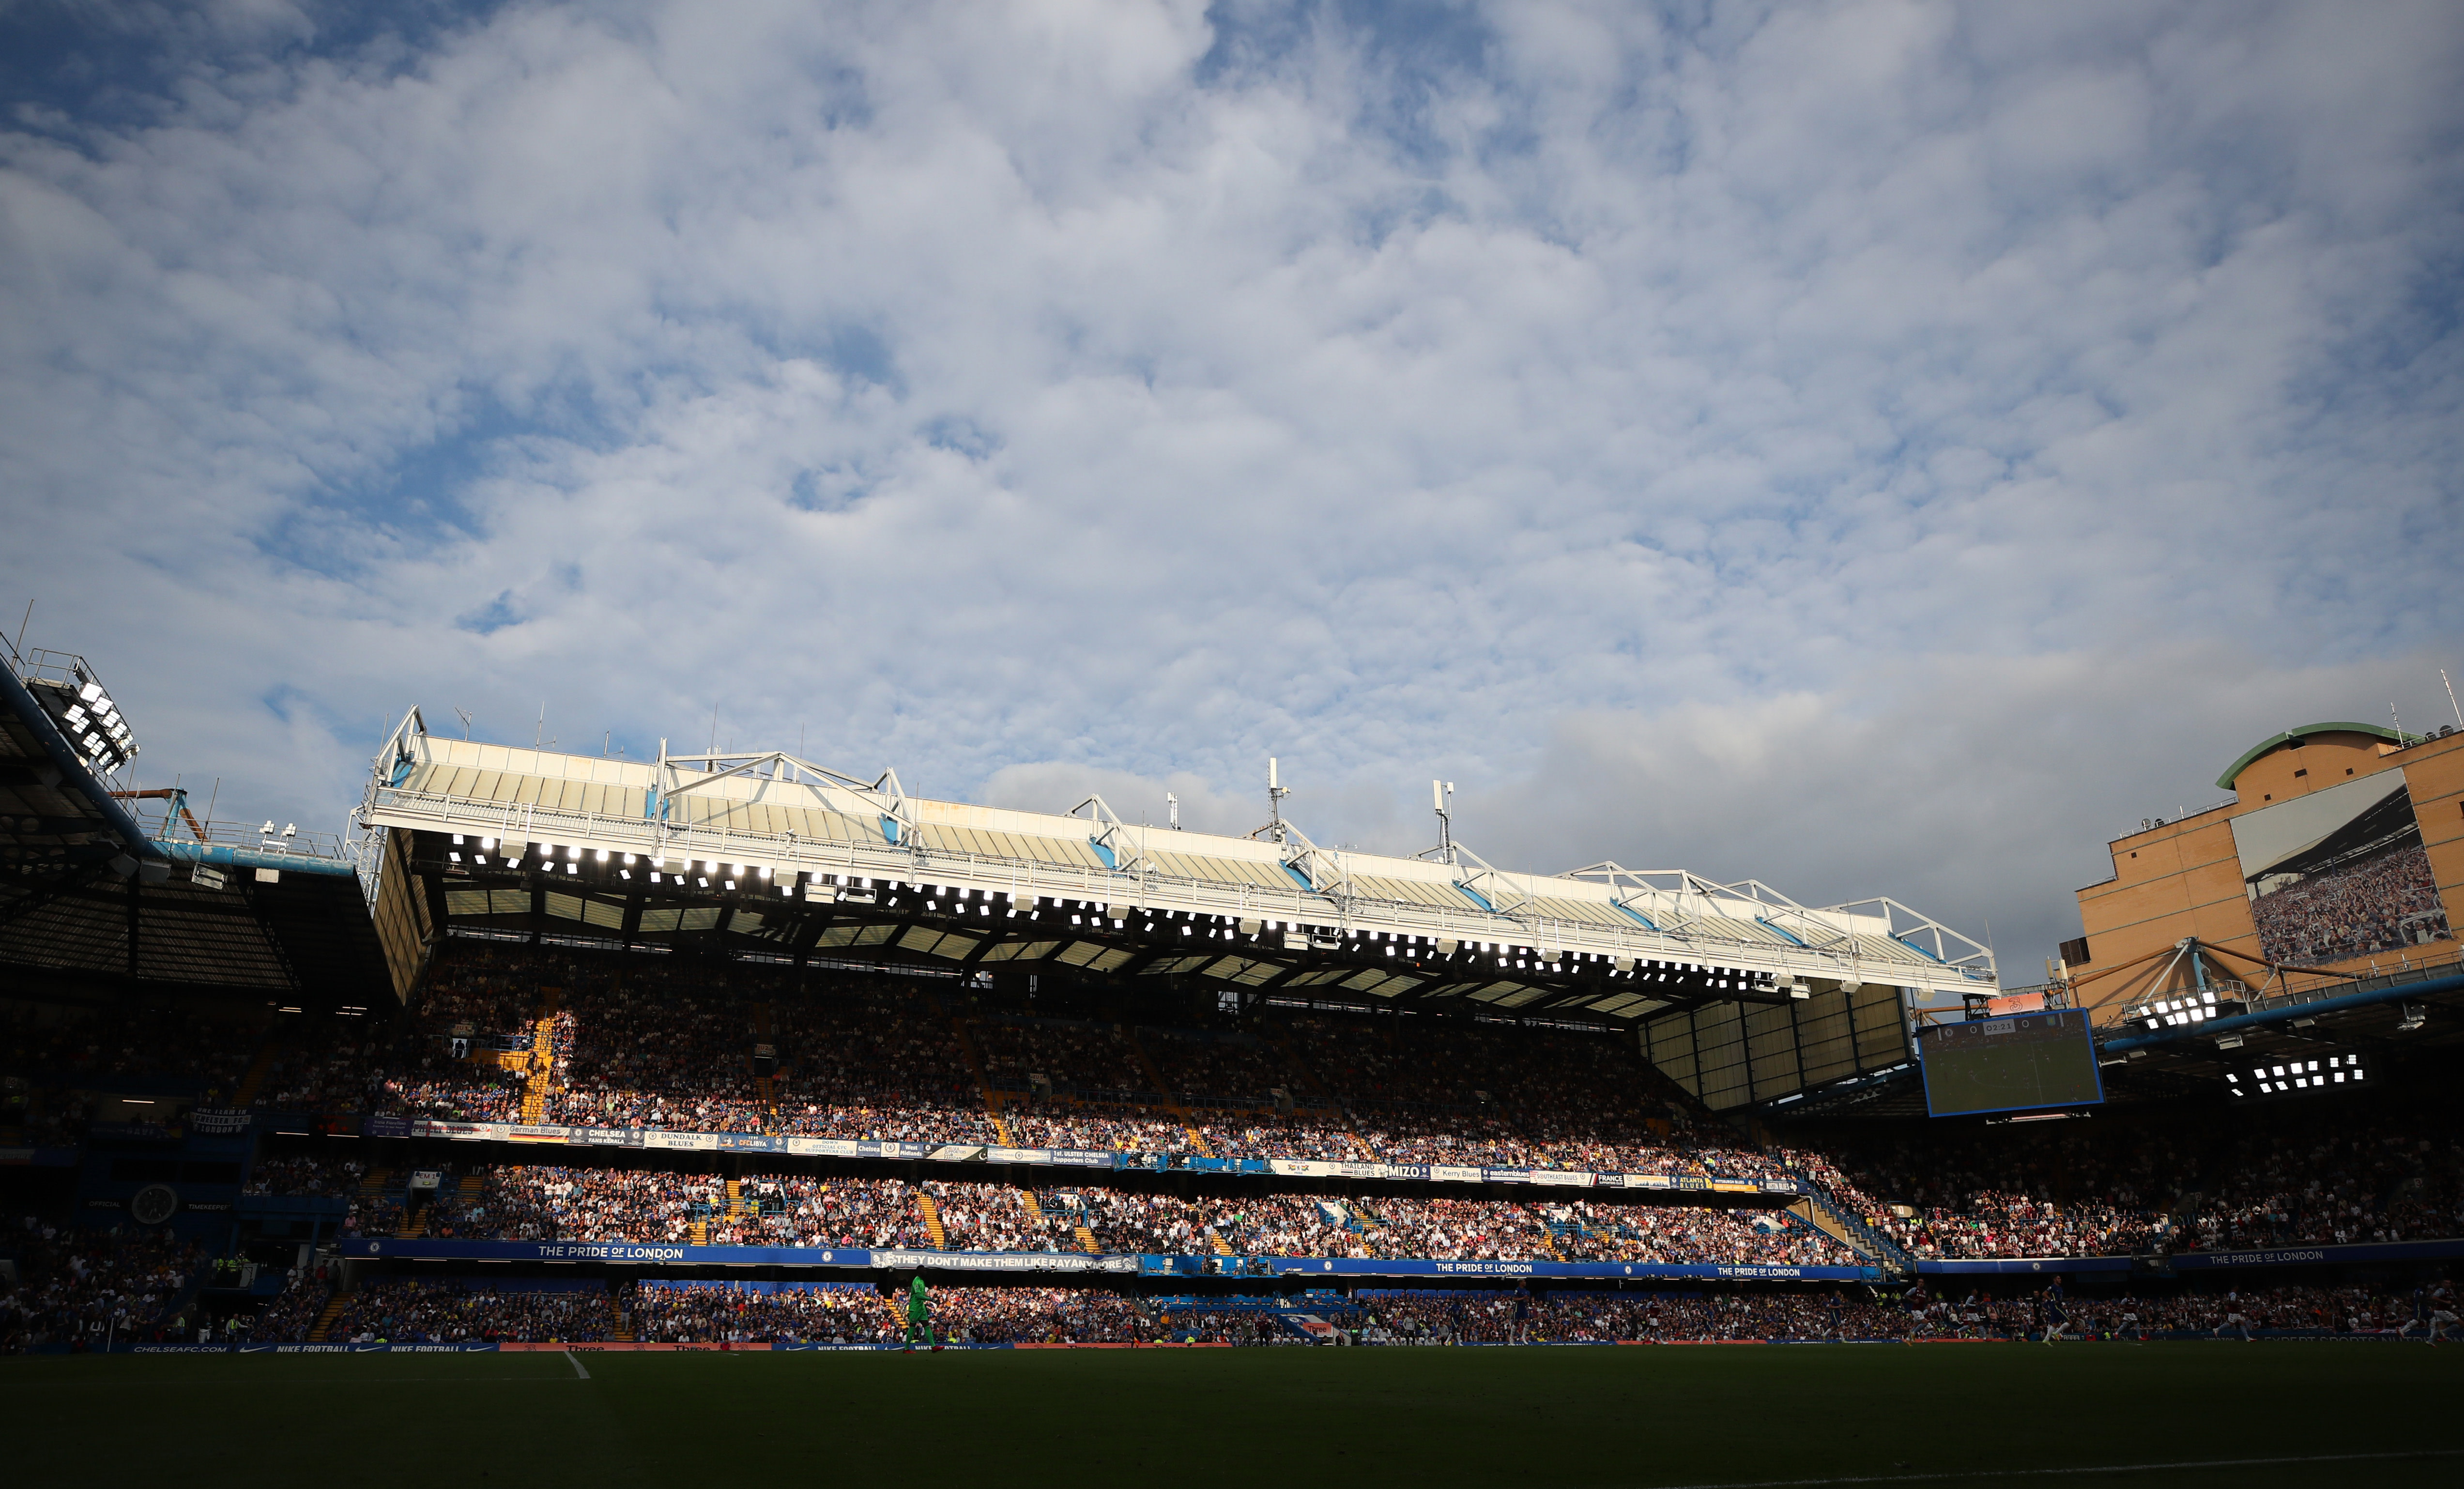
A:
[2340,873]
[2022,1063]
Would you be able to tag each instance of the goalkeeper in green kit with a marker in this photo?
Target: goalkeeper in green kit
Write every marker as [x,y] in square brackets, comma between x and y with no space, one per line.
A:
[919,1316]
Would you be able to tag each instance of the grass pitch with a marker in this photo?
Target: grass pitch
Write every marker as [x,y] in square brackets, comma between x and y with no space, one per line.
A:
[1666,1416]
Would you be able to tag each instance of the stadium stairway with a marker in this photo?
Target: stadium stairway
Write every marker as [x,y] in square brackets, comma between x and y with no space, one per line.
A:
[765,1085]
[931,1209]
[1814,1206]
[983,1083]
[734,1200]
[258,1070]
[1086,1241]
[535,1090]
[1172,1098]
[321,1330]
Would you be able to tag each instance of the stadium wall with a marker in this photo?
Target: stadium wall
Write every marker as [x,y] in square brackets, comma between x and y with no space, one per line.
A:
[2190,878]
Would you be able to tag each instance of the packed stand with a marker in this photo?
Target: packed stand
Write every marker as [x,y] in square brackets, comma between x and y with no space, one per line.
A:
[876,1066]
[2374,1180]
[86,1288]
[1093,1060]
[421,1311]
[305,1175]
[1995,1194]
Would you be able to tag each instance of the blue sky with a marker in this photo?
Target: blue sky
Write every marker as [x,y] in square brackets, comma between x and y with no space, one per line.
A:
[1876,448]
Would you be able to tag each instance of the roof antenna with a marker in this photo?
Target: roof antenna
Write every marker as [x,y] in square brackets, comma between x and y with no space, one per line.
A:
[541,734]
[1172,804]
[2450,698]
[466,721]
[2399,726]
[1275,794]
[1441,791]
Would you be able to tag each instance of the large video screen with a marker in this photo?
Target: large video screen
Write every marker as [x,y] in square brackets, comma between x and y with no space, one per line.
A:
[2340,873]
[2010,1065]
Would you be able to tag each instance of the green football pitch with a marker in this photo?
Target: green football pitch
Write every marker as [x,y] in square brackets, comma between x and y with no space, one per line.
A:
[2307,1413]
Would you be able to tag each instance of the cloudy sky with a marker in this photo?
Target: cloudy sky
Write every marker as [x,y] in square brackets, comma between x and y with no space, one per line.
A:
[1876,446]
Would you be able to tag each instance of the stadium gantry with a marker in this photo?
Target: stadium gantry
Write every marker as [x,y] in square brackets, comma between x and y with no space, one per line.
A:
[777,857]
[87,859]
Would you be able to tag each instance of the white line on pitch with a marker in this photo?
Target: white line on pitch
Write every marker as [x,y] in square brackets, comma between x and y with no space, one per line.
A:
[577,1364]
[2050,1473]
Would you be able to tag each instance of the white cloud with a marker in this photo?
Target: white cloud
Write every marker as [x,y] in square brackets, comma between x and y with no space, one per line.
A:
[974,390]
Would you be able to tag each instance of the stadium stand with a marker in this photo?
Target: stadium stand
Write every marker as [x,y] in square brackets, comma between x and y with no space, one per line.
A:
[1295,1134]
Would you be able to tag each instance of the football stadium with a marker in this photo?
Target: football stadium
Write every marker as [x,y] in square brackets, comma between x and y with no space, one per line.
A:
[582,1119]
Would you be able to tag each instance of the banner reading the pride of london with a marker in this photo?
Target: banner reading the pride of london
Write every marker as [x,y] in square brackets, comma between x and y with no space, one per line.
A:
[2340,873]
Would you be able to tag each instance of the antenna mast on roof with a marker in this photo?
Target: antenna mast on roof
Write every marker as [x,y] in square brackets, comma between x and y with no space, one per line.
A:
[1171,806]
[2450,698]
[1441,792]
[1275,794]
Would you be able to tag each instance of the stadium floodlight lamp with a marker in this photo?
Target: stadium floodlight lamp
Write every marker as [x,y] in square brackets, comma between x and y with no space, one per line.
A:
[2415,1016]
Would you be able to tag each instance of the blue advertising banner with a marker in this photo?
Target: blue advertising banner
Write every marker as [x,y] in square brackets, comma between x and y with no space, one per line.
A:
[641,1252]
[2303,1255]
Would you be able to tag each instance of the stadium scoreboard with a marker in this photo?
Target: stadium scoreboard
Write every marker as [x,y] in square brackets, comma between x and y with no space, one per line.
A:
[2013,1063]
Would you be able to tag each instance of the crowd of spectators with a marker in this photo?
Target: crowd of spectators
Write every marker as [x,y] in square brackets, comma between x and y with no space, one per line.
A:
[2375,1181]
[86,1288]
[849,1313]
[296,1309]
[663,1050]
[1095,1060]
[438,1311]
[1099,1127]
[183,1047]
[303,1175]
[2386,903]
[875,1064]
[678,1313]
[1209,1070]
[2005,1192]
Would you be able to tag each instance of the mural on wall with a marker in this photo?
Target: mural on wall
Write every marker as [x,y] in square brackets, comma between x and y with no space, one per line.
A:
[2340,873]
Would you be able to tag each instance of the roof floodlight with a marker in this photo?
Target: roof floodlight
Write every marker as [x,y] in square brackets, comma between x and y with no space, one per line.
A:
[603,855]
[90,692]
